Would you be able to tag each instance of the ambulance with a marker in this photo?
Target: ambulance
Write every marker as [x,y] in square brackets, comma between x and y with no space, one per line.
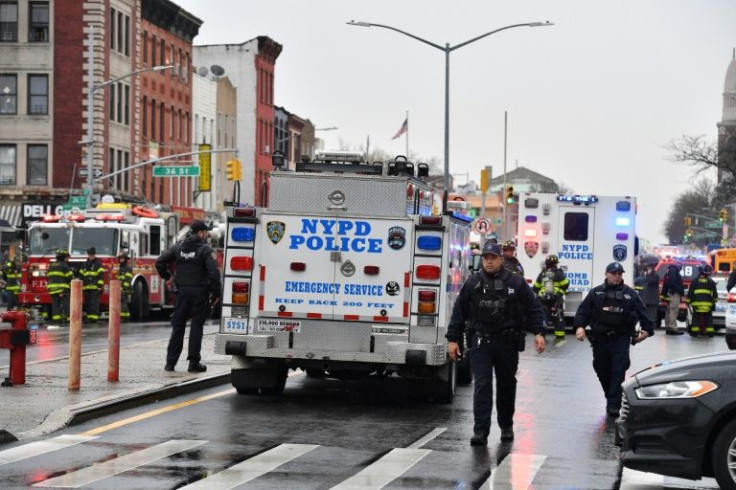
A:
[585,232]
[346,273]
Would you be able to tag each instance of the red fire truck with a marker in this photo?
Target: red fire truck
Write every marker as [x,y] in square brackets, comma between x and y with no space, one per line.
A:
[111,228]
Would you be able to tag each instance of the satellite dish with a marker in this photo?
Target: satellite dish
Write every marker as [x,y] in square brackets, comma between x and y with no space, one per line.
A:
[217,70]
[202,71]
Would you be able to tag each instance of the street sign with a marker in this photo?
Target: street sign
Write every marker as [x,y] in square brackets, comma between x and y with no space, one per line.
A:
[77,201]
[176,171]
[96,172]
[482,226]
[713,224]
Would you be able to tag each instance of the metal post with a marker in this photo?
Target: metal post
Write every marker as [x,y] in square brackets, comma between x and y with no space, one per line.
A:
[113,332]
[503,192]
[447,119]
[75,335]
[90,114]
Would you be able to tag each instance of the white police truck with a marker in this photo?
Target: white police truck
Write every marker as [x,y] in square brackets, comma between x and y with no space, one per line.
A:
[585,232]
[346,273]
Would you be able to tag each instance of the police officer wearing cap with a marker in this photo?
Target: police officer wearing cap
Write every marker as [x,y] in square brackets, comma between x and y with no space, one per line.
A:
[497,306]
[197,279]
[509,258]
[612,310]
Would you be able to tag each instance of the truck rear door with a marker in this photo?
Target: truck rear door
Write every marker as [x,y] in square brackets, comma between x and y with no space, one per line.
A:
[577,225]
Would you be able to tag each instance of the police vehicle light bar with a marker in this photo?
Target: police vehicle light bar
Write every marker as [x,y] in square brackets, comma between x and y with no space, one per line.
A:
[578,199]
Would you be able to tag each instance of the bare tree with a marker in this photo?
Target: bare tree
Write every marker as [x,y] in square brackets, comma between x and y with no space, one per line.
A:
[694,203]
[701,154]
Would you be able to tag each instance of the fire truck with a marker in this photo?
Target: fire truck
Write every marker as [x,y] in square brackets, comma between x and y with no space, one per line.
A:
[346,273]
[111,228]
[585,232]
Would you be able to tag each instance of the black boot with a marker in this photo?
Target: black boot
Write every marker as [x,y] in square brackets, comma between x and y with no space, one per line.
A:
[479,439]
[196,367]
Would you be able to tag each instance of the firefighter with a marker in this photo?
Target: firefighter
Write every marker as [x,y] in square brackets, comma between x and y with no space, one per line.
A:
[93,282]
[672,291]
[125,276]
[58,279]
[497,306]
[509,258]
[11,276]
[551,287]
[612,310]
[197,279]
[702,297]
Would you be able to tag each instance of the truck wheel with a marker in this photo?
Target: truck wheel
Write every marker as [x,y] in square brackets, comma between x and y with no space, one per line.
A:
[315,373]
[139,306]
[277,388]
[247,391]
[446,383]
[724,457]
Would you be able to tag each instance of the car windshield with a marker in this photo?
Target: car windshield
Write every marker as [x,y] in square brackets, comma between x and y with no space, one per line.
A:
[46,241]
[688,270]
[105,241]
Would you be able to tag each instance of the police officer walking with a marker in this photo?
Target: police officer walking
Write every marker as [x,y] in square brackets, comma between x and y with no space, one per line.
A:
[93,282]
[11,276]
[125,275]
[509,258]
[702,296]
[612,310]
[551,287]
[197,280]
[58,280]
[498,306]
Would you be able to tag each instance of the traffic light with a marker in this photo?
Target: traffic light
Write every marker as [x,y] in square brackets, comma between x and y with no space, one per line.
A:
[234,170]
[510,194]
[688,221]
[723,215]
[485,175]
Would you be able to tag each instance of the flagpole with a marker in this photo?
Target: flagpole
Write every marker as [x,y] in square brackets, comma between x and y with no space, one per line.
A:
[407,135]
[367,147]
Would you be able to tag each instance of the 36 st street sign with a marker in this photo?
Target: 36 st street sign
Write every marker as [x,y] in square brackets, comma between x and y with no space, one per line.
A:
[176,171]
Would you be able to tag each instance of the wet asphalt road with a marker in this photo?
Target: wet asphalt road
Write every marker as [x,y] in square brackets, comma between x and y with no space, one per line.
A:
[324,433]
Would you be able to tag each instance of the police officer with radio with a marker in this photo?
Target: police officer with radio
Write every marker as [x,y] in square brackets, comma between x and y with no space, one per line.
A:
[197,279]
[497,306]
[612,310]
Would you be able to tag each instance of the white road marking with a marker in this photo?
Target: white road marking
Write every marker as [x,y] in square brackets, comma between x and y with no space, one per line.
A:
[253,467]
[560,344]
[640,480]
[516,472]
[41,447]
[112,467]
[384,471]
[424,440]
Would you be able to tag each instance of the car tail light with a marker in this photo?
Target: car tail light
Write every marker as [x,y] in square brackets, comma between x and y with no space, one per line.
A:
[240,293]
[241,263]
[427,301]
[428,272]
[371,270]
[298,266]
[731,298]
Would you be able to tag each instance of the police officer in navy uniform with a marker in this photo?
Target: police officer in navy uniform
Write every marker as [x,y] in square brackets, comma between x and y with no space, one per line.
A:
[497,306]
[612,310]
[509,258]
[197,279]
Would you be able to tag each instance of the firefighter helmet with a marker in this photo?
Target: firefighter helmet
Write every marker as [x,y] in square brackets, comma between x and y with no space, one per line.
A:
[509,245]
[705,270]
[61,253]
[551,261]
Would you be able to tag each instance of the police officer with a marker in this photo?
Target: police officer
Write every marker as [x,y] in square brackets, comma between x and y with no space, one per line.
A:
[551,287]
[672,290]
[125,276]
[498,306]
[197,280]
[58,279]
[92,275]
[702,296]
[11,276]
[509,258]
[611,310]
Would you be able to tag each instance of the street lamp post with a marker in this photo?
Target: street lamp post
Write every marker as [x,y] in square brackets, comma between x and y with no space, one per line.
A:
[92,89]
[447,49]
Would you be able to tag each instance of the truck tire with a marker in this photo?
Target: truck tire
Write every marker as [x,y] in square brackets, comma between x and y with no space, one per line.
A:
[446,382]
[723,457]
[277,388]
[268,381]
[139,306]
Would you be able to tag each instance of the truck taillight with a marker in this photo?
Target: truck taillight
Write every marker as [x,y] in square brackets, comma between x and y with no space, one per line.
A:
[427,301]
[431,272]
[240,293]
[246,212]
[241,263]
[430,220]
[298,266]
[371,270]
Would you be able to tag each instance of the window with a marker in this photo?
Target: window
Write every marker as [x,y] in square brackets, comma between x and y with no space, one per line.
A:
[112,102]
[113,35]
[120,44]
[576,227]
[127,35]
[8,21]
[153,119]
[171,123]
[144,44]
[119,101]
[153,49]
[38,94]
[161,111]
[155,247]
[162,54]
[126,111]
[144,116]
[38,158]
[9,92]
[38,28]
[7,164]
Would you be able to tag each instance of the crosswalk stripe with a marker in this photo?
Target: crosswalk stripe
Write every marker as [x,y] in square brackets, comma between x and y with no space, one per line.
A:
[41,447]
[384,471]
[424,440]
[641,480]
[253,467]
[516,472]
[112,467]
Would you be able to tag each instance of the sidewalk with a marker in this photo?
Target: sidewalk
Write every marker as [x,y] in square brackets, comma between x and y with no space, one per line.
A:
[44,404]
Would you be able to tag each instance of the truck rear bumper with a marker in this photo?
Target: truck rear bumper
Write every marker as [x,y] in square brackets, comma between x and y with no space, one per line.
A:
[397,352]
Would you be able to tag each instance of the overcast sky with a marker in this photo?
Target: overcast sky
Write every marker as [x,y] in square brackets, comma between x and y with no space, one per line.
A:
[591,101]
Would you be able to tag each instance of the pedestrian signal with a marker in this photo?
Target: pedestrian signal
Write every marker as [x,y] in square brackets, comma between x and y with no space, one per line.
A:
[233,170]
[510,194]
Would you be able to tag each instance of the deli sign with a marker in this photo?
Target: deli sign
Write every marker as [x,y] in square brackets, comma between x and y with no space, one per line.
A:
[34,211]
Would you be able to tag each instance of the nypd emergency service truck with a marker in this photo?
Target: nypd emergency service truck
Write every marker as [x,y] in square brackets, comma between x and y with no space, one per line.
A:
[347,273]
[585,232]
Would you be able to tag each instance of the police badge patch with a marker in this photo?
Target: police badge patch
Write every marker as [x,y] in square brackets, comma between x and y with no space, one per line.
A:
[531,248]
[275,230]
[619,253]
[396,237]
[392,288]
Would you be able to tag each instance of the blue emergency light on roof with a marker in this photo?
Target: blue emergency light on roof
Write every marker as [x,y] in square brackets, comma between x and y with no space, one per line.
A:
[623,221]
[463,217]
[530,219]
[578,199]
[429,243]
[623,206]
[243,234]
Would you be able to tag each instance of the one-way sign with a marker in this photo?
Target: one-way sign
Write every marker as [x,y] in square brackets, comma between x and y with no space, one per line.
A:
[96,172]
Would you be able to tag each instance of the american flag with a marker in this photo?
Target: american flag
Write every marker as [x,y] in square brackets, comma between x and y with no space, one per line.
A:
[402,129]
